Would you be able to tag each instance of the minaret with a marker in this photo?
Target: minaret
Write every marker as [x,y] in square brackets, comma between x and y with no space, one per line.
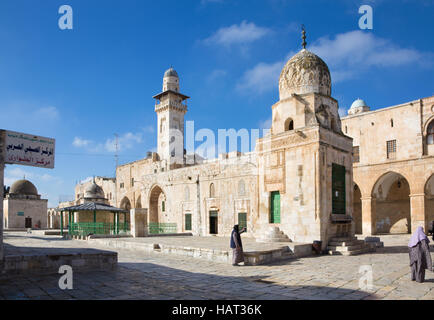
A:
[170,111]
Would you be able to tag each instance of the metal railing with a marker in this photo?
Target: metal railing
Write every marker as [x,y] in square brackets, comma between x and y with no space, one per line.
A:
[87,228]
[161,228]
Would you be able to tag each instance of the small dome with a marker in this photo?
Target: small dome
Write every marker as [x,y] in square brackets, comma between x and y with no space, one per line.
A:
[171,73]
[304,73]
[23,187]
[94,191]
[358,106]
[358,103]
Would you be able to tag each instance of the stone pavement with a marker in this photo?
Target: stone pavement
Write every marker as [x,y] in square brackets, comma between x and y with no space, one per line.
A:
[160,276]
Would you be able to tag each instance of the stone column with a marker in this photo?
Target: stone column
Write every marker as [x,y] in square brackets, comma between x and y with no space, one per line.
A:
[369,216]
[417,211]
[139,222]
[2,168]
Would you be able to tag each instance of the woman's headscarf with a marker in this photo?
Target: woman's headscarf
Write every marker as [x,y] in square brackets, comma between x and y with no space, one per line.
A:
[236,228]
[417,236]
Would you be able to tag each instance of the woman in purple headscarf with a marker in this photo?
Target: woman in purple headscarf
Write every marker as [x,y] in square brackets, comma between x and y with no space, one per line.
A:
[420,258]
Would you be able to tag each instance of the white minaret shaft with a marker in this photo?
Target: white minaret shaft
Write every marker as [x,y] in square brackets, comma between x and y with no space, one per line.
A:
[170,111]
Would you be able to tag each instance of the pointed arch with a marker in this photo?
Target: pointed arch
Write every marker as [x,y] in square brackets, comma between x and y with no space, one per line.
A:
[392,203]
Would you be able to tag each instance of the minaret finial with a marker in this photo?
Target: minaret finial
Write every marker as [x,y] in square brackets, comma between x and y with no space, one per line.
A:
[303,36]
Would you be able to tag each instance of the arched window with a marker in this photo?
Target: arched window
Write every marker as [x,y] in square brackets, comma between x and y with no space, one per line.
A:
[430,133]
[289,124]
[211,190]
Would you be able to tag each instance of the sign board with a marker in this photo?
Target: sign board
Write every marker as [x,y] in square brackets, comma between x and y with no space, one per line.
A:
[20,214]
[28,150]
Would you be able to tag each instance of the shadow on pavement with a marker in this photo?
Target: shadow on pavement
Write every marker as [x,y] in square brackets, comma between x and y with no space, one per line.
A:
[143,281]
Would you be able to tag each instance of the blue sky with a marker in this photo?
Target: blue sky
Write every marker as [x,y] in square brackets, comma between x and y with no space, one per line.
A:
[82,86]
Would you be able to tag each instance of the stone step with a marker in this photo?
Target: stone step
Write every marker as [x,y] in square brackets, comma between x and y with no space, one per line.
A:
[346,248]
[351,253]
[345,244]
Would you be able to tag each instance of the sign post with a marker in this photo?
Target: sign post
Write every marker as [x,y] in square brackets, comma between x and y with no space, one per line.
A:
[24,149]
[2,169]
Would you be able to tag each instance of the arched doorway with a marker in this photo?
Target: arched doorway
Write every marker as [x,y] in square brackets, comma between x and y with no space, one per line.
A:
[392,208]
[429,201]
[157,205]
[357,209]
[126,204]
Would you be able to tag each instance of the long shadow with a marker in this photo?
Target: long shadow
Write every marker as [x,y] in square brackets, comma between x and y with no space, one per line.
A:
[144,281]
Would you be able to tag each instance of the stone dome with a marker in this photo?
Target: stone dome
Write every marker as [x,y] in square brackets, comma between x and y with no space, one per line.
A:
[358,106]
[94,191]
[358,103]
[171,73]
[304,73]
[23,187]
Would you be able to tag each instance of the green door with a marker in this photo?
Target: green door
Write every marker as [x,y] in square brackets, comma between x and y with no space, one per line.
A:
[275,207]
[338,189]
[242,220]
[213,222]
[188,221]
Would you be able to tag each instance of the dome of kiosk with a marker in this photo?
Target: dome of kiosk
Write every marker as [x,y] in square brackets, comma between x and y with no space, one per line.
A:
[304,73]
[94,191]
[23,187]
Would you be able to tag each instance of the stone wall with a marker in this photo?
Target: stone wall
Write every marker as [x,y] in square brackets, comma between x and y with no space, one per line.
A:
[36,209]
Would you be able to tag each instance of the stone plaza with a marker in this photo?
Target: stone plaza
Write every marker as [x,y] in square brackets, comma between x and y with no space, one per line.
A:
[155,275]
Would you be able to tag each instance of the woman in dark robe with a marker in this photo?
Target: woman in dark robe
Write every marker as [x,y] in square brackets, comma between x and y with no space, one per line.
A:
[420,258]
[237,246]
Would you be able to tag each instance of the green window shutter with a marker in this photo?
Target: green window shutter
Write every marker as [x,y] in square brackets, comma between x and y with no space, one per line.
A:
[188,221]
[338,189]
[242,220]
[275,207]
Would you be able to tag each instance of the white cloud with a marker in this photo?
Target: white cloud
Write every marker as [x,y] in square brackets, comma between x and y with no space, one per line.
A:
[243,33]
[352,53]
[78,142]
[126,141]
[261,78]
[348,55]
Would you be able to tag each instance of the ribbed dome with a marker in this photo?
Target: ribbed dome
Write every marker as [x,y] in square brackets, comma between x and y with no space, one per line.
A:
[94,191]
[304,73]
[171,73]
[23,187]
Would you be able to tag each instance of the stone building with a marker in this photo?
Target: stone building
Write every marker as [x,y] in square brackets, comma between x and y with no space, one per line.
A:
[21,202]
[393,165]
[298,183]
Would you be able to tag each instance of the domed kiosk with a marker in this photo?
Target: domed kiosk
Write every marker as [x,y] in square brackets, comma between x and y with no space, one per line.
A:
[93,215]
[306,160]
[21,202]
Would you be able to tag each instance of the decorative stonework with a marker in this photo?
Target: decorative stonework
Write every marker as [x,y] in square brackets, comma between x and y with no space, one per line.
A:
[304,73]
